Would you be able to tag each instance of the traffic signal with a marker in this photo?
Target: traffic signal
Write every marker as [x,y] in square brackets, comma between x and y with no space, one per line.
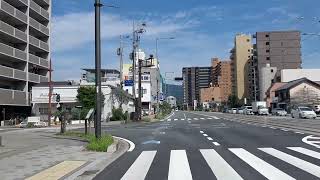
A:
[58,98]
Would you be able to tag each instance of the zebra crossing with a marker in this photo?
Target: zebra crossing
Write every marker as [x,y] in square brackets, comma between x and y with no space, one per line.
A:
[179,163]
[189,119]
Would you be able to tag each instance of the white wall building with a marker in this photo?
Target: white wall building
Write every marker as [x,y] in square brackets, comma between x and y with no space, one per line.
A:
[68,96]
[172,101]
[288,75]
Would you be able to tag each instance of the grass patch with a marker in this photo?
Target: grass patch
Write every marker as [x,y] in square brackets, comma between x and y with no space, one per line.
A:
[94,144]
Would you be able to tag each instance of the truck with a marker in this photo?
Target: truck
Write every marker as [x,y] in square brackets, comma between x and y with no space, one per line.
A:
[260,108]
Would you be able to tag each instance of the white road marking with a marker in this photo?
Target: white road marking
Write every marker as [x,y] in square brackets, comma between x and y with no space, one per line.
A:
[312,143]
[299,163]
[195,118]
[132,145]
[182,119]
[139,169]
[179,166]
[201,132]
[209,118]
[264,168]
[264,126]
[284,129]
[299,132]
[189,119]
[205,135]
[202,118]
[162,120]
[209,138]
[220,168]
[216,143]
[305,151]
[215,117]
[184,116]
[175,119]
[169,120]
[272,127]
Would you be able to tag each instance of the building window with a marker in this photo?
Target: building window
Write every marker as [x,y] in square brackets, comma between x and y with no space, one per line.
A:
[267,43]
[272,70]
[268,58]
[248,40]
[268,50]
[267,35]
[249,50]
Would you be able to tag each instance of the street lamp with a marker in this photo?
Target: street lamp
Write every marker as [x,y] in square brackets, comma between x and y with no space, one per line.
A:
[157,57]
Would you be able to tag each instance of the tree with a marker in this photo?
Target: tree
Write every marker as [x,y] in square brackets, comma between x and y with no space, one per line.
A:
[233,101]
[87,97]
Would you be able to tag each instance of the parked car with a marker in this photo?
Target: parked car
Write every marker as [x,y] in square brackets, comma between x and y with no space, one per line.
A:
[23,124]
[233,110]
[248,110]
[316,109]
[303,112]
[263,110]
[279,112]
[239,111]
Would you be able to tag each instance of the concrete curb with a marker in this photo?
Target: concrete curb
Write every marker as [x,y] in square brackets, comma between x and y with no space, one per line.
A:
[118,148]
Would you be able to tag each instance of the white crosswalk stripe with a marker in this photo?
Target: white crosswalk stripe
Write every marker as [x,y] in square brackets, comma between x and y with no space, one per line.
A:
[209,118]
[175,119]
[216,117]
[202,118]
[220,168]
[169,120]
[261,166]
[195,119]
[139,169]
[306,152]
[179,166]
[299,163]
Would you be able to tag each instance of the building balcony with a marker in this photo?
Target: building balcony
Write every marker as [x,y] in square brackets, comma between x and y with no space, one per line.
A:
[38,44]
[12,73]
[12,53]
[18,3]
[36,78]
[38,61]
[16,34]
[12,97]
[14,15]
[40,28]
[38,12]
[42,2]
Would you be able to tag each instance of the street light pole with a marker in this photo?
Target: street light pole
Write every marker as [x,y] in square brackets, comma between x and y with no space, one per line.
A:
[97,128]
[158,102]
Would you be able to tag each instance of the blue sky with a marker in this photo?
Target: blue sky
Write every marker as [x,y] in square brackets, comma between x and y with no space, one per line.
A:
[203,29]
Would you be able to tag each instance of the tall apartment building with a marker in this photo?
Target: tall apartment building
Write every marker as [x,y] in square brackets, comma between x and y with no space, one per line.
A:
[221,77]
[24,51]
[277,49]
[240,56]
[195,78]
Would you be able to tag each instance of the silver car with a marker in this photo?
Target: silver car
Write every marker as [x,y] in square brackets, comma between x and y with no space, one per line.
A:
[303,112]
[279,112]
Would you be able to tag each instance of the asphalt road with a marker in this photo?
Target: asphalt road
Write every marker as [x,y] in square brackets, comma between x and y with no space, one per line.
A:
[199,145]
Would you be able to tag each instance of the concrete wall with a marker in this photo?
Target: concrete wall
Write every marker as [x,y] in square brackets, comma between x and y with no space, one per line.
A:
[266,78]
[293,74]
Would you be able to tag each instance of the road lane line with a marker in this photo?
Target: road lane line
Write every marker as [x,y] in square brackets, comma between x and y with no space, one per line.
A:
[209,138]
[299,132]
[209,118]
[272,127]
[175,119]
[169,120]
[179,166]
[184,116]
[220,168]
[182,119]
[264,168]
[284,129]
[189,119]
[162,120]
[139,169]
[202,118]
[205,135]
[305,151]
[195,119]
[299,163]
[215,117]
[201,132]
[216,143]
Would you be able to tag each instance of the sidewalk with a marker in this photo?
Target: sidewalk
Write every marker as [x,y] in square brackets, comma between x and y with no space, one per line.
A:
[28,152]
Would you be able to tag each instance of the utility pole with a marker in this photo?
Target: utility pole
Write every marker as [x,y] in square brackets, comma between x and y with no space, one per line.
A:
[134,68]
[50,93]
[120,53]
[97,126]
[254,84]
[140,90]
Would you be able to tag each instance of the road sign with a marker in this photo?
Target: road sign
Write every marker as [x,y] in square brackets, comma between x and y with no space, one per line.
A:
[128,83]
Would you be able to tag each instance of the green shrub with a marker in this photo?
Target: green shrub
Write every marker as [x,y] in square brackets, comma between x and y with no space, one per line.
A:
[30,125]
[118,115]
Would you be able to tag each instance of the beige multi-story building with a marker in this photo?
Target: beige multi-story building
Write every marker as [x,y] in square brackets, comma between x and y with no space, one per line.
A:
[221,77]
[24,52]
[240,56]
[210,94]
